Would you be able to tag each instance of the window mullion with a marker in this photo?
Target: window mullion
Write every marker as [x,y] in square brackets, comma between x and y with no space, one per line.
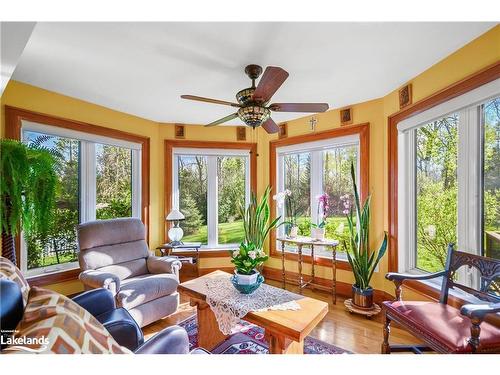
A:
[212,201]
[87,181]
[136,184]
[316,183]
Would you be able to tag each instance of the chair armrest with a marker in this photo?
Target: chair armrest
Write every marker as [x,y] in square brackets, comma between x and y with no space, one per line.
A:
[393,276]
[99,279]
[97,301]
[124,329]
[163,265]
[172,340]
[477,312]
[398,279]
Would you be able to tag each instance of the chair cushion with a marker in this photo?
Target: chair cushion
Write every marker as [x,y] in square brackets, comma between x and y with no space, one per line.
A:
[53,323]
[141,289]
[442,324]
[9,271]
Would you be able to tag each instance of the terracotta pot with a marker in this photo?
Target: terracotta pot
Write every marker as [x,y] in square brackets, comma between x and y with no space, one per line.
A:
[362,298]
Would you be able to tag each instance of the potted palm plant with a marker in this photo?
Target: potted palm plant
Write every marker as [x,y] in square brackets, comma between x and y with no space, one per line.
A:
[257,225]
[27,192]
[363,261]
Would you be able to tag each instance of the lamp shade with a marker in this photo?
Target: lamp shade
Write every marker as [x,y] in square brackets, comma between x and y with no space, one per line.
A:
[175,215]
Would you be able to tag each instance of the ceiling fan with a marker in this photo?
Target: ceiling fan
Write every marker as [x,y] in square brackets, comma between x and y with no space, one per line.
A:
[253,108]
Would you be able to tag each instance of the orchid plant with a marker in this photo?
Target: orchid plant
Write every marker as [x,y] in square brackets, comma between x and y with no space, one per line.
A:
[323,206]
[285,198]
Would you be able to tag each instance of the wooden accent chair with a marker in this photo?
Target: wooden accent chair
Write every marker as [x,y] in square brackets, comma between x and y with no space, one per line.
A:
[444,328]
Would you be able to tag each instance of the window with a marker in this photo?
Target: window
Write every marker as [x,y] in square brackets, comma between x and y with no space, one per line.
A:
[311,169]
[99,178]
[449,184]
[208,187]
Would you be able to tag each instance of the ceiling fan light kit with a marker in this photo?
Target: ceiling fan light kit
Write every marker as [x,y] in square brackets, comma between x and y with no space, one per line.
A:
[252,101]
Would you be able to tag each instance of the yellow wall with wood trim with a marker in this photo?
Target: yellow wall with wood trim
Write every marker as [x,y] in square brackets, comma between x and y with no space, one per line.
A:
[476,55]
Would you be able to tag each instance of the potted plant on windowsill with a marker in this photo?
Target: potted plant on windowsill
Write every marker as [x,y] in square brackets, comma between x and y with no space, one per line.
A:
[285,197]
[363,261]
[249,258]
[318,230]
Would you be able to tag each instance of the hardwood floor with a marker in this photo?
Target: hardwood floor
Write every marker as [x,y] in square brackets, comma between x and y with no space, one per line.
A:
[351,332]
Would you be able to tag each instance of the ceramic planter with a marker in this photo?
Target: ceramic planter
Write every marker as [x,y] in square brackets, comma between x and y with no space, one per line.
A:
[294,231]
[246,279]
[318,233]
[362,298]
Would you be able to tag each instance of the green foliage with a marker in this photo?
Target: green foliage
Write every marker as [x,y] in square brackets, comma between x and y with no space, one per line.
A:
[363,262]
[256,219]
[193,221]
[247,258]
[27,188]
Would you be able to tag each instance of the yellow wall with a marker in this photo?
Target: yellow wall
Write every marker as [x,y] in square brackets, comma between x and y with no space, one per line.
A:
[476,55]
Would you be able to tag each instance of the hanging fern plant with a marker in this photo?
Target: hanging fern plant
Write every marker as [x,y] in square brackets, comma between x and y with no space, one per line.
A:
[27,191]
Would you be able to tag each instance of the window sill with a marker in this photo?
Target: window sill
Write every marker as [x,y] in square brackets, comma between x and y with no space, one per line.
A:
[54,277]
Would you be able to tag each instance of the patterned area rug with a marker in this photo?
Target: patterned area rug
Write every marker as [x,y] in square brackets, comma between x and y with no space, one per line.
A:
[249,339]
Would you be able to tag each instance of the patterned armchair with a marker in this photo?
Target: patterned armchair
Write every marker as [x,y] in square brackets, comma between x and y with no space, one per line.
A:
[442,327]
[114,255]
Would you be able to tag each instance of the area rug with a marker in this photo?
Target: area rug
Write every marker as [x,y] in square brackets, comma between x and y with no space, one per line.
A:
[249,339]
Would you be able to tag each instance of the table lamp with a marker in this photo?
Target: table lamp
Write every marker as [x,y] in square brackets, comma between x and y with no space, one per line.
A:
[175,233]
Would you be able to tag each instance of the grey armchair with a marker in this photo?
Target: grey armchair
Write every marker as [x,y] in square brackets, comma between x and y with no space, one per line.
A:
[114,255]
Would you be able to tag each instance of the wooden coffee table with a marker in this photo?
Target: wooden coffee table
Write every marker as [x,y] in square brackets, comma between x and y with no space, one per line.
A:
[285,331]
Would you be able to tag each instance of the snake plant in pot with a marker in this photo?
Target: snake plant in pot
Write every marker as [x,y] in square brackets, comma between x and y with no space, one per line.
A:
[257,224]
[363,261]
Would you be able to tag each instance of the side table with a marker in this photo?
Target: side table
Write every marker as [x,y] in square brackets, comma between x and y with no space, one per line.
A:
[170,250]
[308,241]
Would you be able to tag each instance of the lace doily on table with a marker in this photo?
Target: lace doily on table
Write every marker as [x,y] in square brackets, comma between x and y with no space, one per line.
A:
[229,305]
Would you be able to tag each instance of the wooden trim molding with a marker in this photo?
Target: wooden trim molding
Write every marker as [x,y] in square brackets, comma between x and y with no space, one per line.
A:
[469,83]
[13,121]
[364,141]
[171,144]
[53,278]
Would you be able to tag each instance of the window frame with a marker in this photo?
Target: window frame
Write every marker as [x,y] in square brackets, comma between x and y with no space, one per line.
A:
[363,131]
[87,181]
[13,121]
[469,178]
[214,149]
[316,149]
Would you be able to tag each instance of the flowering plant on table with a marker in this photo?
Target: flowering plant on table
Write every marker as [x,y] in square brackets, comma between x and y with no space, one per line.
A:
[247,258]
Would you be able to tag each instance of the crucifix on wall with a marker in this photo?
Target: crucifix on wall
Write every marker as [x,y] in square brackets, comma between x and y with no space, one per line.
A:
[313,123]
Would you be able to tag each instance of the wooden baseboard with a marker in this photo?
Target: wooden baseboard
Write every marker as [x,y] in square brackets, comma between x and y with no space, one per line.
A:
[343,289]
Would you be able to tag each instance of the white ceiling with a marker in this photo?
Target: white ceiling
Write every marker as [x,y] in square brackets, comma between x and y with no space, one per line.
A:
[143,68]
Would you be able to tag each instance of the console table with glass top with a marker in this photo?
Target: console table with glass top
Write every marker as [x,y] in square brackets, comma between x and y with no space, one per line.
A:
[300,242]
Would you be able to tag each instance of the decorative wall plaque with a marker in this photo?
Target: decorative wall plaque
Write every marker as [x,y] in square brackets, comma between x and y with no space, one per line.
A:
[241,133]
[179,131]
[283,132]
[405,96]
[346,116]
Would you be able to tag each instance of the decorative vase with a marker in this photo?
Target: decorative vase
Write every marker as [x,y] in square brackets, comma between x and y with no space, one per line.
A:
[246,279]
[362,298]
[247,289]
[294,231]
[317,233]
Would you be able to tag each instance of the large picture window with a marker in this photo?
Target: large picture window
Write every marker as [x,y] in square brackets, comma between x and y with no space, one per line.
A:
[314,168]
[99,178]
[208,186]
[449,182]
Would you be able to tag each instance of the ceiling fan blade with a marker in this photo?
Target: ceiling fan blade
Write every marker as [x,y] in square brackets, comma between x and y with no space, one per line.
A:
[222,120]
[270,126]
[208,100]
[299,107]
[271,81]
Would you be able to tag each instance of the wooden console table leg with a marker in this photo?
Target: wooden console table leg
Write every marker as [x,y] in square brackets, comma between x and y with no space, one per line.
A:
[283,273]
[334,274]
[312,267]
[282,345]
[209,335]
[301,280]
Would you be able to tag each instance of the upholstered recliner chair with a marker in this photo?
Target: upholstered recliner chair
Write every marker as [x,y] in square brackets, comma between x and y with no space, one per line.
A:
[114,255]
